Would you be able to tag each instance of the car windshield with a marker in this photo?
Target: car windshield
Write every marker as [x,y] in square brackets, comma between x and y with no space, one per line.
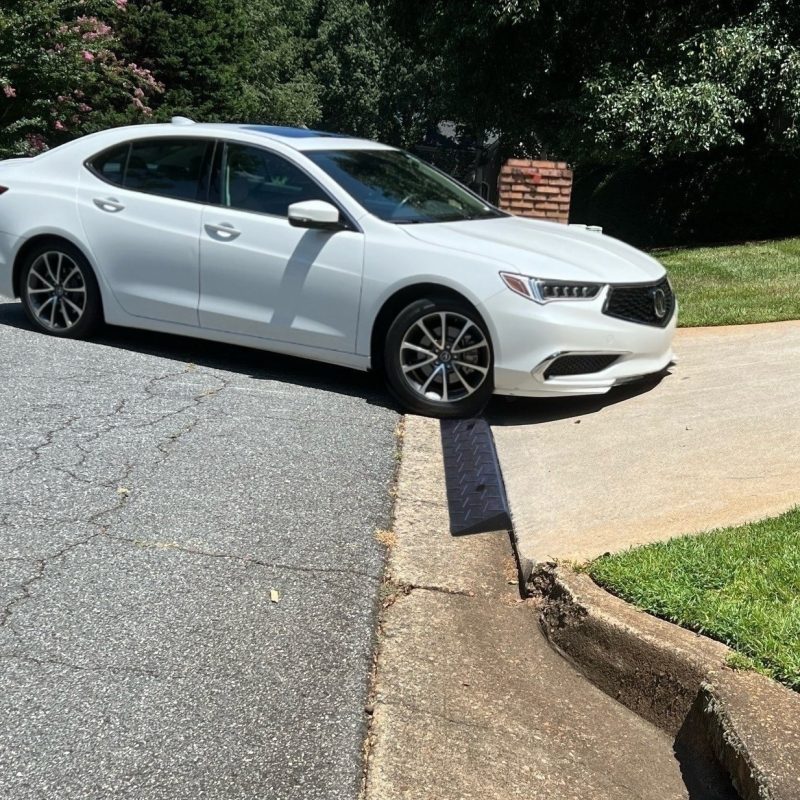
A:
[397,187]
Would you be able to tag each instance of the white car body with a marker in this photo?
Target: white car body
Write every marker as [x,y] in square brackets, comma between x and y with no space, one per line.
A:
[167,265]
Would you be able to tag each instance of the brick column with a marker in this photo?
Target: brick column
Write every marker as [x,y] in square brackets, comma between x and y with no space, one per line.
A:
[538,189]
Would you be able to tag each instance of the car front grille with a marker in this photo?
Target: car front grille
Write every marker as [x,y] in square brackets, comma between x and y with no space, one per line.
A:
[642,303]
[578,365]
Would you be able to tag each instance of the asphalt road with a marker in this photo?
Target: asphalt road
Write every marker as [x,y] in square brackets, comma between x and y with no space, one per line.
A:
[154,491]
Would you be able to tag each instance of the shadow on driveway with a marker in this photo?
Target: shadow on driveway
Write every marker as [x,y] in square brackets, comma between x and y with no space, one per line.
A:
[258,364]
[532,411]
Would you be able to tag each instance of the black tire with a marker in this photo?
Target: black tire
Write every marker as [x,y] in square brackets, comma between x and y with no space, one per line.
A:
[62,267]
[464,381]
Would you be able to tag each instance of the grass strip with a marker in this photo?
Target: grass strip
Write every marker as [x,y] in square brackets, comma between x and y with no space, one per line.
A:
[738,585]
[736,284]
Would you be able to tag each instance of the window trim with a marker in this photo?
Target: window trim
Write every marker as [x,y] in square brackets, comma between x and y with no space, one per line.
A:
[204,180]
[348,222]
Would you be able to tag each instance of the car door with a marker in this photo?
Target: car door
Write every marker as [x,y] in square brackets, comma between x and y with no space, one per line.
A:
[262,277]
[141,206]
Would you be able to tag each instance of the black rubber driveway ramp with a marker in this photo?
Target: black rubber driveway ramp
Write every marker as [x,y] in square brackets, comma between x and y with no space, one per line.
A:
[475,494]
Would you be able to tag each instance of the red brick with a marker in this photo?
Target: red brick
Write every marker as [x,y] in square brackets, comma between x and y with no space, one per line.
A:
[546,189]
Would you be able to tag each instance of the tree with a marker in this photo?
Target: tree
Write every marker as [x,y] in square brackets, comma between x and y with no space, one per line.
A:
[201,50]
[58,64]
[732,86]
[369,84]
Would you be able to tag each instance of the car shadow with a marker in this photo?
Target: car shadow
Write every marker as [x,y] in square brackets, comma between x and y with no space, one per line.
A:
[532,411]
[258,364]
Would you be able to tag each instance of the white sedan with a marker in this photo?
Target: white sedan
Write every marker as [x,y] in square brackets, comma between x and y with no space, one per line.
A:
[330,248]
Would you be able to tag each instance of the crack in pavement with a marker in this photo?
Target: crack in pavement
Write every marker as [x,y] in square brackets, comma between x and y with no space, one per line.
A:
[247,560]
[406,588]
[35,450]
[165,447]
[25,592]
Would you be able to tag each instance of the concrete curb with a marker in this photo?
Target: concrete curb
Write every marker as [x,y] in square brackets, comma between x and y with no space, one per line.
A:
[676,679]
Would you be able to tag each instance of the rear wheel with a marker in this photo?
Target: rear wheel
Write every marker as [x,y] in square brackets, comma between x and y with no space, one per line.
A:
[438,359]
[59,291]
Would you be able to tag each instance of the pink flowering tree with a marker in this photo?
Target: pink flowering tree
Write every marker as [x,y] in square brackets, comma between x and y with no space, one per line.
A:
[61,76]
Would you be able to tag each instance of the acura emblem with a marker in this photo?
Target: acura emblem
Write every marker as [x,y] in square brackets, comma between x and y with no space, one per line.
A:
[660,303]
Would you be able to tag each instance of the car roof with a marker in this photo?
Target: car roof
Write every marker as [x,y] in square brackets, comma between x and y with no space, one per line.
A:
[302,139]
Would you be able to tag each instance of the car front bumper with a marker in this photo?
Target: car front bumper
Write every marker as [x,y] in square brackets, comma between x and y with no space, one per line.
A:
[528,338]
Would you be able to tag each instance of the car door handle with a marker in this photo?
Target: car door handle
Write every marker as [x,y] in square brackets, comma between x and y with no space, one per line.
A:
[110,204]
[224,232]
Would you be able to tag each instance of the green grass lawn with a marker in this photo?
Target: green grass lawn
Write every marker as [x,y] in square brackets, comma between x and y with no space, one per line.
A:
[738,585]
[731,285]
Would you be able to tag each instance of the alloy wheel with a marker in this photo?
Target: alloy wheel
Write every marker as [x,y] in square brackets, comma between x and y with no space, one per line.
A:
[445,357]
[56,291]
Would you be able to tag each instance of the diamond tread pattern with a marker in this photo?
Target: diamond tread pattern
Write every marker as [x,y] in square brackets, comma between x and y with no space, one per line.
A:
[476,496]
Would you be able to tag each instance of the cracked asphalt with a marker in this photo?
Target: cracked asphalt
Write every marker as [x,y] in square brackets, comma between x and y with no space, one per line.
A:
[154,491]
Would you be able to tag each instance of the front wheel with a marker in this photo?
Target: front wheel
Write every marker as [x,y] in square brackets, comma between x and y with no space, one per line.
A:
[438,359]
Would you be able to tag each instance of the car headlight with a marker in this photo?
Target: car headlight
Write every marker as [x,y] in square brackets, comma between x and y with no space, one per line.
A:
[546,291]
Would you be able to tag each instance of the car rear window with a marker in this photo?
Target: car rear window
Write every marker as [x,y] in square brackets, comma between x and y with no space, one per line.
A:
[110,165]
[165,167]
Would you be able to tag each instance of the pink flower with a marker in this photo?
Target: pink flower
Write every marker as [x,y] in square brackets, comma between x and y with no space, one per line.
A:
[83,108]
[87,56]
[60,126]
[9,91]
[35,142]
[121,4]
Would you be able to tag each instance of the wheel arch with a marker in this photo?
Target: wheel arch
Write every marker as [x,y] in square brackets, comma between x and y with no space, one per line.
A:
[31,244]
[396,302]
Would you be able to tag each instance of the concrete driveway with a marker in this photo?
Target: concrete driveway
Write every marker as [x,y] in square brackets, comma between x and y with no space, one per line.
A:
[155,492]
[714,443]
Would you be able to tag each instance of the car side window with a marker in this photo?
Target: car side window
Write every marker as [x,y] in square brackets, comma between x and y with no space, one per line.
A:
[110,165]
[167,167]
[252,179]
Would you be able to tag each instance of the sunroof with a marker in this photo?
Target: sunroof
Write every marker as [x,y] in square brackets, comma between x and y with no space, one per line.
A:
[289,133]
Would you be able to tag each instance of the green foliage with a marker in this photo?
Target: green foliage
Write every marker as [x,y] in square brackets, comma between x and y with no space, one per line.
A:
[609,79]
[195,48]
[57,65]
[739,585]
[723,87]
[369,83]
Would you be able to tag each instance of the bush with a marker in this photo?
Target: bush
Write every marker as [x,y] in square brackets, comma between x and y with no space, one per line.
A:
[58,64]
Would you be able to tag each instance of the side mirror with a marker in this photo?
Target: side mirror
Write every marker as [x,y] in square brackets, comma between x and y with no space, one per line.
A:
[315,214]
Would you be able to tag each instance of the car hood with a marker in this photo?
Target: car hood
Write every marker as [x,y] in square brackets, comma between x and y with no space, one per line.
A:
[544,249]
